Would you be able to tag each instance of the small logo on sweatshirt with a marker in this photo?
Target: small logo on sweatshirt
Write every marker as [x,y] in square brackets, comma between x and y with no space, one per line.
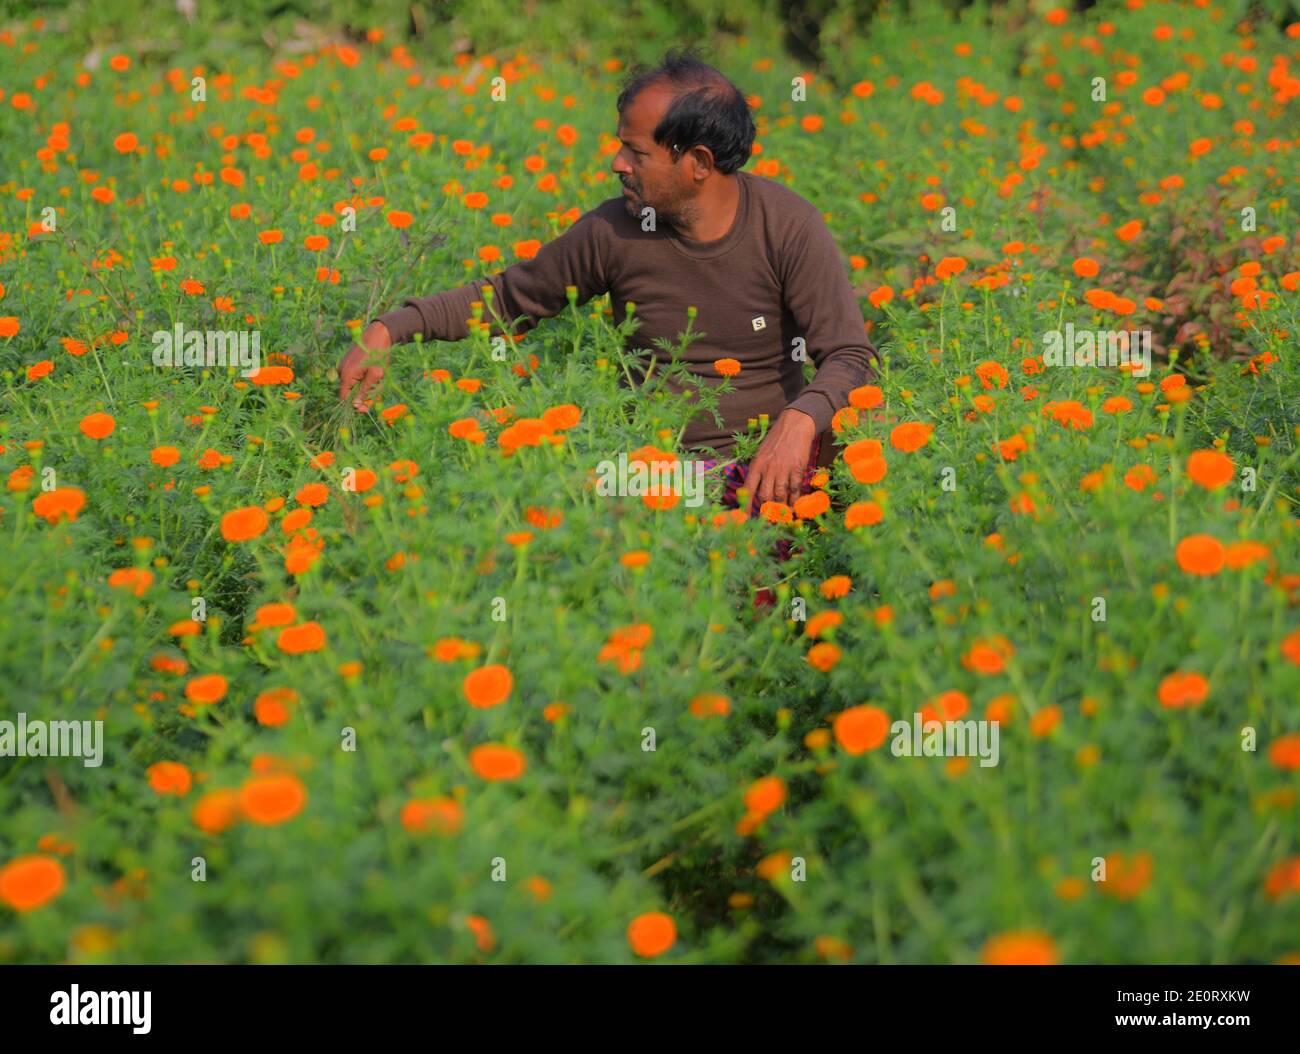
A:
[758,323]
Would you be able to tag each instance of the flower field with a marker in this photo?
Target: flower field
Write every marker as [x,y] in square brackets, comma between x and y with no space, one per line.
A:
[401,686]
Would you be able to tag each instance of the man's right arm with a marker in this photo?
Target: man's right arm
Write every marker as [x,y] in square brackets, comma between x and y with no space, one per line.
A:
[534,289]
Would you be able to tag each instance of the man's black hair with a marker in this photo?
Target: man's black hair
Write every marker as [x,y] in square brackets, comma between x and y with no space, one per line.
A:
[707,109]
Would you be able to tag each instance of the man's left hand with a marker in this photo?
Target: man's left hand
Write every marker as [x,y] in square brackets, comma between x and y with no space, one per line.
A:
[777,471]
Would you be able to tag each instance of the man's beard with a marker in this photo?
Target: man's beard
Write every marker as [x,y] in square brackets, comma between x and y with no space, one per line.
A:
[677,213]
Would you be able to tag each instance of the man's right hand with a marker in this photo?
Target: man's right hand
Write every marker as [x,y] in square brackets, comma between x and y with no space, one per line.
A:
[362,367]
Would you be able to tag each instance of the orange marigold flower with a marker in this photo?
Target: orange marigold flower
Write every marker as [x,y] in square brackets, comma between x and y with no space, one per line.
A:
[863,514]
[272,799]
[861,728]
[824,655]
[1011,449]
[449,649]
[710,704]
[274,614]
[433,816]
[1129,231]
[465,428]
[867,397]
[1000,709]
[273,706]
[363,480]
[313,494]
[1237,555]
[1200,554]
[988,656]
[1182,689]
[949,266]
[810,506]
[1290,647]
[1210,468]
[992,374]
[1020,948]
[495,761]
[836,586]
[296,640]
[98,425]
[403,471]
[267,376]
[1285,752]
[765,795]
[206,689]
[560,418]
[487,686]
[216,811]
[1125,878]
[1139,477]
[910,436]
[946,706]
[136,579]
[821,622]
[170,777]
[62,503]
[295,520]
[1283,879]
[727,367]
[31,882]
[776,512]
[869,470]
[241,525]
[651,934]
[1046,719]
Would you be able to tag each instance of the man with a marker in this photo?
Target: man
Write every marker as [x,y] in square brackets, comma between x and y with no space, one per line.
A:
[755,259]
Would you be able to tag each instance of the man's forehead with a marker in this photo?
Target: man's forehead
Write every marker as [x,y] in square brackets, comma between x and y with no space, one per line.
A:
[629,130]
[641,115]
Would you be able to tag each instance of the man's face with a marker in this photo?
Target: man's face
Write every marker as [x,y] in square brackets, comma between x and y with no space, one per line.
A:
[647,170]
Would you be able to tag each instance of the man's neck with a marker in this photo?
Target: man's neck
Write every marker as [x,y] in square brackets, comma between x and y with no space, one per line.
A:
[715,214]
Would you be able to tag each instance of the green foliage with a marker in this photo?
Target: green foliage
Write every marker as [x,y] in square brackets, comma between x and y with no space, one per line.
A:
[976,588]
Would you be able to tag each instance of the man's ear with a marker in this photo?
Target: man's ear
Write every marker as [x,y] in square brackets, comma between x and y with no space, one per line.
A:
[703,159]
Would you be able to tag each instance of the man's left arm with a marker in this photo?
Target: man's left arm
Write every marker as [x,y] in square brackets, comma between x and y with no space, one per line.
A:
[816,289]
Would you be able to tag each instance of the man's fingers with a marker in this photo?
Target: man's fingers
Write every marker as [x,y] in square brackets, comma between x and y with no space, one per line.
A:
[780,476]
[792,488]
[351,370]
[369,380]
[780,489]
[753,483]
[348,377]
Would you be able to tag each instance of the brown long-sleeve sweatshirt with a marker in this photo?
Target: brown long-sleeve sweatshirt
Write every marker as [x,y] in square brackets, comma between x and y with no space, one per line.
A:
[775,276]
